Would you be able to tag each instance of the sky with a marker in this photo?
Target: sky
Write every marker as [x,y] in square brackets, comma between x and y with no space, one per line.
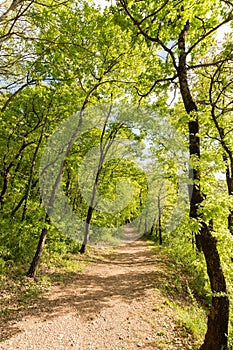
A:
[103,3]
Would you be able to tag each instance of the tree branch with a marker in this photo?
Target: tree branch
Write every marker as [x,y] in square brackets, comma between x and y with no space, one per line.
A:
[146,35]
[214,29]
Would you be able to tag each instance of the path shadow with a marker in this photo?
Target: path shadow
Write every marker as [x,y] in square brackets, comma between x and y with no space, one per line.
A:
[89,292]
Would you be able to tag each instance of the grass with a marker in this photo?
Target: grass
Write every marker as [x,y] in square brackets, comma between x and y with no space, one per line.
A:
[176,285]
[18,291]
[190,319]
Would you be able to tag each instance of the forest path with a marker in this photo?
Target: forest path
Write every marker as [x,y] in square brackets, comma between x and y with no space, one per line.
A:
[117,303]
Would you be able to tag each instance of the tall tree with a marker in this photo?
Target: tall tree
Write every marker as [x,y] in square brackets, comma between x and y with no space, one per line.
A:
[179,30]
[216,100]
[89,70]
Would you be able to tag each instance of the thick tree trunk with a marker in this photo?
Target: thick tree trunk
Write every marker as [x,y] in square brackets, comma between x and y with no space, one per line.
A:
[217,326]
[195,193]
[35,261]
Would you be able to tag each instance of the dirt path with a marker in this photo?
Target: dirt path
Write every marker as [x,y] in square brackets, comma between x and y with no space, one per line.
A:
[115,304]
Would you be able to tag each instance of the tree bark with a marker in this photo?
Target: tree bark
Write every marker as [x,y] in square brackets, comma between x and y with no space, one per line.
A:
[6,179]
[35,261]
[7,172]
[159,221]
[87,230]
[228,160]
[104,147]
[32,169]
[229,179]
[217,326]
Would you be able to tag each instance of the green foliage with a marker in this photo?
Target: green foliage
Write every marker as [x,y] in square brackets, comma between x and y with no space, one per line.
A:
[192,319]
[59,58]
[180,286]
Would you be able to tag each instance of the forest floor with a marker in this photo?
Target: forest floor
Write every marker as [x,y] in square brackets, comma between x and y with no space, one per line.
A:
[125,298]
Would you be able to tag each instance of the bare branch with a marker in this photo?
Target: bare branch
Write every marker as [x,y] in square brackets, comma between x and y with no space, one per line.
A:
[162,80]
[209,64]
[13,6]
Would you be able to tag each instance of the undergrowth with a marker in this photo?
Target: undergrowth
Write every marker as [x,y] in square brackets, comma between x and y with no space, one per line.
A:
[186,287]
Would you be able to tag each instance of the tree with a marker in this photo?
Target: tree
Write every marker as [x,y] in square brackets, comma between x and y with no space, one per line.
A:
[180,30]
[86,70]
[216,101]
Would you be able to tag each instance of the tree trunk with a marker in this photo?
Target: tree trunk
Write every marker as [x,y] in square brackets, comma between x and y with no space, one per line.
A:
[7,171]
[6,179]
[153,225]
[90,213]
[35,261]
[32,170]
[159,221]
[17,207]
[228,160]
[87,230]
[229,179]
[104,147]
[217,326]
[230,222]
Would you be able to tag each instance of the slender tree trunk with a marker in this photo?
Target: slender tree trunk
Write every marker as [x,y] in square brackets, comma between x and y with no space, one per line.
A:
[17,207]
[104,148]
[140,219]
[159,221]
[6,179]
[35,261]
[87,230]
[228,160]
[32,169]
[153,225]
[7,173]
[37,256]
[146,222]
[217,330]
